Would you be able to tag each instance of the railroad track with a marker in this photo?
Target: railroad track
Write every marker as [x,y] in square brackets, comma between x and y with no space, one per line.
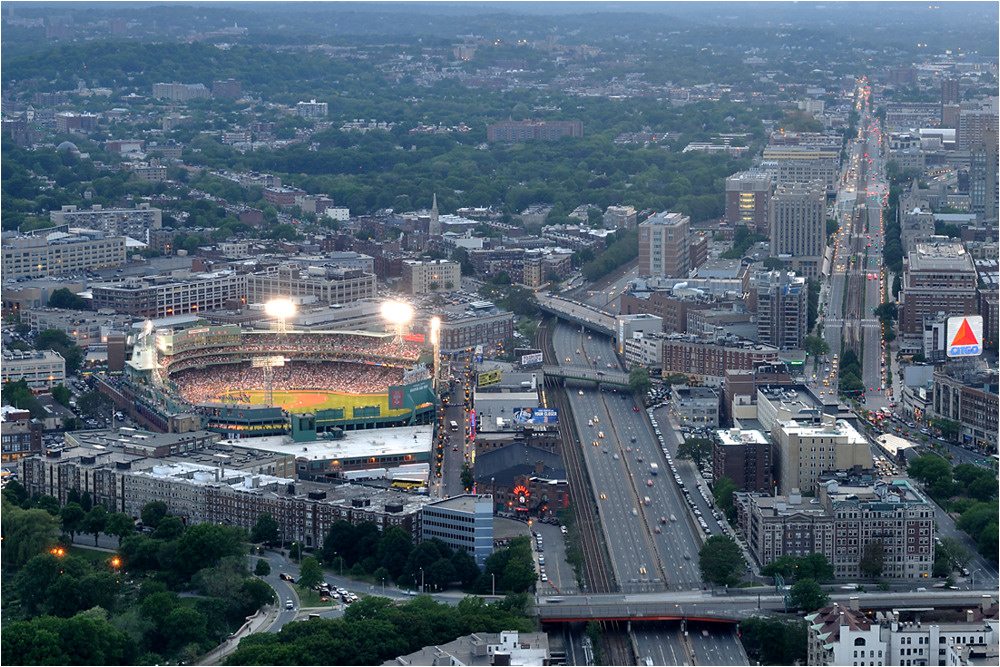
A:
[596,575]
[617,647]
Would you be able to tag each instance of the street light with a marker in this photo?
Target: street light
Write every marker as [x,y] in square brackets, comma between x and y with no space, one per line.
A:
[422,580]
[493,578]
[383,586]
[282,309]
[398,314]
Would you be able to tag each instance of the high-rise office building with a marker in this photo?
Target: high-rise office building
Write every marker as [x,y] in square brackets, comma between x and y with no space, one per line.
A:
[747,196]
[983,175]
[663,245]
[798,226]
[949,92]
[937,277]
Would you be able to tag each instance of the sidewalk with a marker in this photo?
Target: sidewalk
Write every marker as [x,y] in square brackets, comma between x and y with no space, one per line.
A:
[260,620]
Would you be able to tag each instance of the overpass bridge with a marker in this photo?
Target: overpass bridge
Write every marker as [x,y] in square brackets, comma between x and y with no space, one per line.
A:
[723,608]
[586,374]
[578,313]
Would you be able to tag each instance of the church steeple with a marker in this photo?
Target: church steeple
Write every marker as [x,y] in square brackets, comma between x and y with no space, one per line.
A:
[434,228]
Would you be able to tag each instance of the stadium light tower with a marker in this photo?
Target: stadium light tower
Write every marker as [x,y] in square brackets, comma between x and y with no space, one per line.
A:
[268,364]
[436,342]
[398,313]
[281,309]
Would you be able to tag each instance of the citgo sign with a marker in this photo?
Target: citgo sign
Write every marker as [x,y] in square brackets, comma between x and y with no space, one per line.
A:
[965,336]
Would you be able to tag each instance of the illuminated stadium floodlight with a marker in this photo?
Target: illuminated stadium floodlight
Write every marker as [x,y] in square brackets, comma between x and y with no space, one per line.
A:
[268,364]
[281,309]
[398,314]
[436,342]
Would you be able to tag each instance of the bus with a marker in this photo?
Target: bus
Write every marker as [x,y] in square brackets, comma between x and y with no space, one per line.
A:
[407,484]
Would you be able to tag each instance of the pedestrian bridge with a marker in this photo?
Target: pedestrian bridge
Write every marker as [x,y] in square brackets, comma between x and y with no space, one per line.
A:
[574,311]
[586,374]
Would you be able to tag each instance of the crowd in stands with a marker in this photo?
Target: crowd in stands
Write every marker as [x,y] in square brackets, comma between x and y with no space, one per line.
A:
[207,384]
[310,345]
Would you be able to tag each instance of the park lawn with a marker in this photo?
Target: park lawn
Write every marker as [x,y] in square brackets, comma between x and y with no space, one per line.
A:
[313,400]
[91,555]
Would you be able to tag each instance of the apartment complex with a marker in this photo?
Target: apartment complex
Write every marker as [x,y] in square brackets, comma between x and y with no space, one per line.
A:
[710,359]
[839,522]
[744,456]
[312,109]
[20,435]
[323,284]
[938,276]
[806,451]
[165,296]
[438,275]
[748,196]
[782,308]
[180,92]
[133,222]
[663,245]
[620,217]
[41,369]
[59,253]
[523,130]
[204,492]
[844,635]
[462,522]
[798,226]
[540,264]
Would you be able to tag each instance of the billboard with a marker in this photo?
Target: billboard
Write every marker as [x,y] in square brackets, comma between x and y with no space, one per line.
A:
[965,336]
[411,395]
[536,416]
[530,359]
[414,338]
[488,378]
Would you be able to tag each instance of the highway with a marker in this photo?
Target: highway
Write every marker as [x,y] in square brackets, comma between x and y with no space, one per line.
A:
[620,469]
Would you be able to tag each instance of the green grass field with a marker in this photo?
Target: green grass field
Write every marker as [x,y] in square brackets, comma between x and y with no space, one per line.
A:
[313,400]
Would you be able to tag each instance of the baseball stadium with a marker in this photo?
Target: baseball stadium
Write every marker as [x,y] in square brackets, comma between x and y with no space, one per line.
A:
[249,382]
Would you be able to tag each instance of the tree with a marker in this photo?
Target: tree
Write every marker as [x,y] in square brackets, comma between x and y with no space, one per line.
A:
[638,380]
[929,467]
[152,513]
[265,530]
[721,561]
[783,565]
[119,524]
[773,641]
[872,559]
[723,494]
[814,566]
[695,449]
[263,568]
[95,521]
[26,532]
[310,572]
[72,516]
[468,479]
[169,528]
[808,595]
[63,298]
[815,346]
[61,395]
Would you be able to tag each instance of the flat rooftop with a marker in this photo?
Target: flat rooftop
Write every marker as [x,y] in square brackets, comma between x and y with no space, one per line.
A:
[354,444]
[735,436]
[464,503]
